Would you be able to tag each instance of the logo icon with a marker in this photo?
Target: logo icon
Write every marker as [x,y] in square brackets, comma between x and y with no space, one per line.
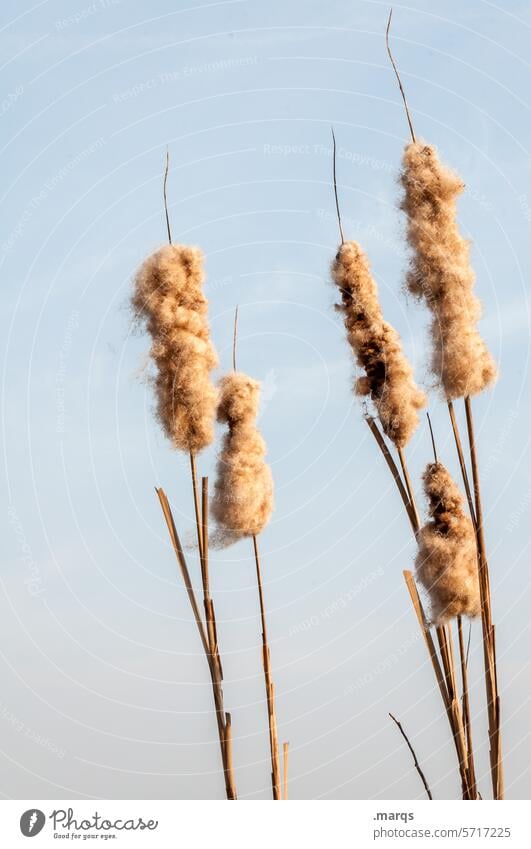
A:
[32,822]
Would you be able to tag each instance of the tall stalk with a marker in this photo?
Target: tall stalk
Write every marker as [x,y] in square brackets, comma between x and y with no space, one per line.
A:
[489,635]
[269,685]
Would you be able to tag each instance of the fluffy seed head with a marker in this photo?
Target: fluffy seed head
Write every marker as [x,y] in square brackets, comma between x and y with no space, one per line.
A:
[441,274]
[388,378]
[243,496]
[446,563]
[168,299]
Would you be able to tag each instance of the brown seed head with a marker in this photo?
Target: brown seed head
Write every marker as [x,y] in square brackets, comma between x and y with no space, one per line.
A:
[243,498]
[168,299]
[446,563]
[388,378]
[441,274]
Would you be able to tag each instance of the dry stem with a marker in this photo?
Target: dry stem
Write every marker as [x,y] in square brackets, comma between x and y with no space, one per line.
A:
[395,69]
[335,188]
[489,644]
[208,639]
[270,687]
[415,760]
[165,195]
[467,719]
[447,683]
[285,747]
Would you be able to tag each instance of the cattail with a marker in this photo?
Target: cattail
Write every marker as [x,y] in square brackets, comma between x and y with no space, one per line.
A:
[441,273]
[388,378]
[446,562]
[168,297]
[243,498]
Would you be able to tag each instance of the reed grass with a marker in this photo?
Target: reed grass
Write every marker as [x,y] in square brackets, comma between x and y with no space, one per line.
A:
[168,298]
[441,275]
[243,504]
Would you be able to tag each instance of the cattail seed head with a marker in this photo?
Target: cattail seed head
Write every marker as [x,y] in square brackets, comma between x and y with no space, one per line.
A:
[168,299]
[243,498]
[388,378]
[446,563]
[441,274]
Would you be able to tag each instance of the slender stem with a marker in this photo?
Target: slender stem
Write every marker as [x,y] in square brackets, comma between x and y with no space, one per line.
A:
[204,536]
[209,642]
[489,646]
[444,636]
[335,187]
[177,547]
[285,748]
[394,470]
[446,681]
[409,488]
[270,688]
[432,438]
[467,720]
[165,194]
[415,759]
[402,92]
[462,463]
[193,469]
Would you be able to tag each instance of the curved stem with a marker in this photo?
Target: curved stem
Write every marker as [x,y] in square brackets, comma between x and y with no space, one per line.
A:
[415,759]
[165,195]
[402,92]
[335,188]
[270,687]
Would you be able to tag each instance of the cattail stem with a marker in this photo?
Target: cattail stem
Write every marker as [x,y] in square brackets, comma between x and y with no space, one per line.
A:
[409,488]
[210,646]
[335,187]
[489,644]
[467,719]
[435,458]
[285,747]
[415,759]
[166,170]
[177,547]
[270,687]
[443,679]
[380,441]
[447,683]
[462,463]
[395,69]
[197,511]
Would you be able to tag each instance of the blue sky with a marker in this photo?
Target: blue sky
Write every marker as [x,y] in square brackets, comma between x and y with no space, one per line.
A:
[104,691]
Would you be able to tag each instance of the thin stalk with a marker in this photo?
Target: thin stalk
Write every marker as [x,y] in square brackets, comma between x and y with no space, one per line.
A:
[415,759]
[335,188]
[489,647]
[395,69]
[462,463]
[193,471]
[209,642]
[270,687]
[394,471]
[165,194]
[285,748]
[467,719]
[177,547]
[442,679]
[435,458]
[409,487]
[447,680]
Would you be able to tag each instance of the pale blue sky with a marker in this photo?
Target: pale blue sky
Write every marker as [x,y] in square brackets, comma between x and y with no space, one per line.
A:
[104,691]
